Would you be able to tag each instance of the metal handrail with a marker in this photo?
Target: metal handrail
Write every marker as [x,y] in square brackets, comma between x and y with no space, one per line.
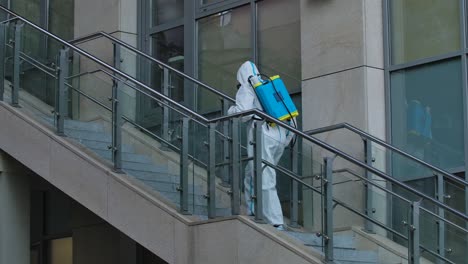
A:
[160,63]
[385,144]
[256,112]
[296,178]
[310,132]
[340,154]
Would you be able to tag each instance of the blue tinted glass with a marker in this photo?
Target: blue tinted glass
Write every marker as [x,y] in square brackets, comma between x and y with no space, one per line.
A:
[427,115]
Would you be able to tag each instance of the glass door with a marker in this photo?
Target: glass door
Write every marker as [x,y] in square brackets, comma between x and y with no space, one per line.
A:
[56,16]
[165,38]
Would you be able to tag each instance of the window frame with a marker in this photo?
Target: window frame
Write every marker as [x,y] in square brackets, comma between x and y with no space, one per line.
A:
[390,68]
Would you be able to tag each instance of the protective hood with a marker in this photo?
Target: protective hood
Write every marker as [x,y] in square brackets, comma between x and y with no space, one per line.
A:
[245,71]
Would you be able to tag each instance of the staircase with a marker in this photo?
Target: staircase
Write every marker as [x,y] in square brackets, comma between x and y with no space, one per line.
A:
[156,176]
[93,136]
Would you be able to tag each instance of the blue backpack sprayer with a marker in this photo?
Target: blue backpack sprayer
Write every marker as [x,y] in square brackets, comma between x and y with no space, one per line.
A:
[274,96]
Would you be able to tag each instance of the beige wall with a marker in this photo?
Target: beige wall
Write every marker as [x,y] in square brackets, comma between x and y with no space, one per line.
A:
[113,16]
[343,81]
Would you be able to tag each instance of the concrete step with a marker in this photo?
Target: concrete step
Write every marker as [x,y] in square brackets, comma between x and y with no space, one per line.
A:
[88,135]
[132,157]
[102,146]
[86,126]
[151,176]
[200,200]
[76,125]
[311,239]
[344,247]
[355,256]
[145,167]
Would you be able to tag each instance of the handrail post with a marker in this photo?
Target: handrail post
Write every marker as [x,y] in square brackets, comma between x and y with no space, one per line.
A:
[61,100]
[3,28]
[441,224]
[117,115]
[184,167]
[368,227]
[258,171]
[226,176]
[327,207]
[294,187]
[211,196]
[16,64]
[165,115]
[413,234]
[235,166]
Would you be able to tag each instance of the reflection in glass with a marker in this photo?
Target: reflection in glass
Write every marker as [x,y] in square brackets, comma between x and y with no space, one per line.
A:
[427,116]
[61,22]
[205,2]
[420,30]
[279,41]
[163,11]
[224,43]
[168,47]
[30,9]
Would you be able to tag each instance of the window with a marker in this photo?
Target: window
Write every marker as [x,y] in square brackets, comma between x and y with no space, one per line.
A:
[422,28]
[168,46]
[163,11]
[427,115]
[224,43]
[279,41]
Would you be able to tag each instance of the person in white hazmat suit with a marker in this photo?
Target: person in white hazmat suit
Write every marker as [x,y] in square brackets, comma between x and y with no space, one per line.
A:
[275,139]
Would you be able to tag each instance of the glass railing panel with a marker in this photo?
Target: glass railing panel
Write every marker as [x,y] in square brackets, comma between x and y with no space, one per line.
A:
[129,62]
[344,140]
[454,196]
[307,222]
[37,71]
[101,47]
[456,243]
[398,166]
[150,155]
[89,119]
[178,88]
[429,235]
[8,62]
[198,142]
[224,166]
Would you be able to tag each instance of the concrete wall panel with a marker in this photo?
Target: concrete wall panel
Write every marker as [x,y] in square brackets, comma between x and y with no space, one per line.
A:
[332,36]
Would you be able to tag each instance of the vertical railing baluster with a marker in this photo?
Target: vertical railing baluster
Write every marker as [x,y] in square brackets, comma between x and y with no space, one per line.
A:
[327,183]
[16,64]
[227,174]
[165,114]
[117,121]
[368,227]
[413,234]
[212,171]
[184,171]
[258,171]
[61,92]
[3,28]
[235,166]
[294,186]
[441,224]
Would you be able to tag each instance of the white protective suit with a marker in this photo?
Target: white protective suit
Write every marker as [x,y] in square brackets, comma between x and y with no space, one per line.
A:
[275,139]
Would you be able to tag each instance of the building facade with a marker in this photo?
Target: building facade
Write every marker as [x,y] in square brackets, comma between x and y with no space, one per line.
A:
[396,69]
